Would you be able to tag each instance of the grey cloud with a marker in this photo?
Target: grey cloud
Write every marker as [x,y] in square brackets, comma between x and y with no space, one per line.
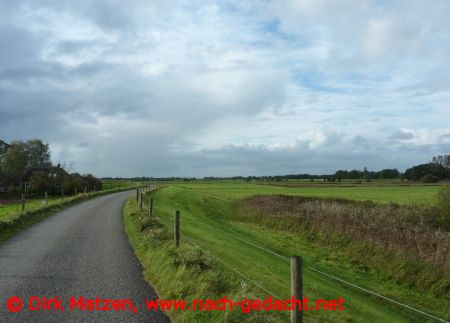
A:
[111,15]
[139,98]
[18,47]
[402,135]
[70,46]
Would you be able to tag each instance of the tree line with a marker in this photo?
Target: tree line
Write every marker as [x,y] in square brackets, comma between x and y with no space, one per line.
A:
[27,166]
[435,170]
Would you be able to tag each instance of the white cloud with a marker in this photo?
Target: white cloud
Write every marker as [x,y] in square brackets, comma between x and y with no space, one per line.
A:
[277,86]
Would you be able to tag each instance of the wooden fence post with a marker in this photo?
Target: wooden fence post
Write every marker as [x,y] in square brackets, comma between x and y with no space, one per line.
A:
[23,202]
[177,228]
[137,195]
[142,200]
[296,288]
[46,198]
[150,206]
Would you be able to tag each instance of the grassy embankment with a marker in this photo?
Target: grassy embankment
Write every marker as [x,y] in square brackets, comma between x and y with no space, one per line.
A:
[210,213]
[186,272]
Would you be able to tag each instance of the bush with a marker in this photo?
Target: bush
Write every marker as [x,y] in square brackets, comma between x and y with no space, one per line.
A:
[443,205]
[429,178]
[191,256]
[40,182]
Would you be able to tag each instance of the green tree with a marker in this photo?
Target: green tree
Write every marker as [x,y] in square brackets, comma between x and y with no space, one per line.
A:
[38,153]
[389,173]
[14,163]
[415,173]
[40,182]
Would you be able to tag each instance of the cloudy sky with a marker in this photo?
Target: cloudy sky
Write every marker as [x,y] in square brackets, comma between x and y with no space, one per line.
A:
[218,88]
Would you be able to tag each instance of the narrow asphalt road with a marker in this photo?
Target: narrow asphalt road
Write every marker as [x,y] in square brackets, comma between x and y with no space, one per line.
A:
[82,251]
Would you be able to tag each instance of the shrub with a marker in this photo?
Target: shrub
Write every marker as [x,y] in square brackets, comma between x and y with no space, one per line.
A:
[443,205]
[40,182]
[191,256]
[429,178]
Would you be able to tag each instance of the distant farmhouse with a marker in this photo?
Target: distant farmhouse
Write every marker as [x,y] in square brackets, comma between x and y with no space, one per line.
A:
[26,166]
[55,174]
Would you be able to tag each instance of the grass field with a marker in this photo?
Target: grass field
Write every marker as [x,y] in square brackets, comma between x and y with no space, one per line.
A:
[12,209]
[383,194]
[110,184]
[207,219]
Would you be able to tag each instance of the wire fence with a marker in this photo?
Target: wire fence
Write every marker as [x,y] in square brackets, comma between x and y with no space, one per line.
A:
[323,273]
[233,269]
[287,260]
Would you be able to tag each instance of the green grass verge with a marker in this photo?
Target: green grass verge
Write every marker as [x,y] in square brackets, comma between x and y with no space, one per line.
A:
[187,272]
[8,211]
[208,213]
[17,221]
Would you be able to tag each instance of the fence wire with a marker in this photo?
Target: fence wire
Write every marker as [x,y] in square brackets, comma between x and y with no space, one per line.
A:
[286,259]
[323,273]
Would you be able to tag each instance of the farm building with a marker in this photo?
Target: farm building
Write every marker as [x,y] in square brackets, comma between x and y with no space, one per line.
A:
[54,175]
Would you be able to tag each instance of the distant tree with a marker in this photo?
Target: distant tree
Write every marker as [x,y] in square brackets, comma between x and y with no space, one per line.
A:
[91,182]
[40,182]
[13,164]
[341,174]
[429,178]
[416,173]
[389,173]
[443,160]
[38,153]
[354,174]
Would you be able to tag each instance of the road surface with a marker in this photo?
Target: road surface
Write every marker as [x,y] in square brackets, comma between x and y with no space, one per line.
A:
[82,251]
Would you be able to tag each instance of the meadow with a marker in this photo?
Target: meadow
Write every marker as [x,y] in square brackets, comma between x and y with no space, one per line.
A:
[373,191]
[11,207]
[14,207]
[212,217]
